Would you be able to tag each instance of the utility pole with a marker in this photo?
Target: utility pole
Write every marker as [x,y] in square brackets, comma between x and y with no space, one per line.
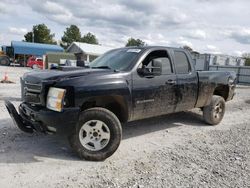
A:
[33,36]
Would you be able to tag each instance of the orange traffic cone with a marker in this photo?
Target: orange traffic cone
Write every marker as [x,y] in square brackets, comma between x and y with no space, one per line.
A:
[6,77]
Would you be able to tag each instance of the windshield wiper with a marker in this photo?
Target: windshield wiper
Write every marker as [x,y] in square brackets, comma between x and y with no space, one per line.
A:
[101,67]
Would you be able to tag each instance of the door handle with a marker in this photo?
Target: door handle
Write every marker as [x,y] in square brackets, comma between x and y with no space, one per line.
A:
[171,82]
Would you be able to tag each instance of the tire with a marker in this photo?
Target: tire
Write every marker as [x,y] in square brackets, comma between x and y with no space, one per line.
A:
[214,112]
[4,61]
[86,140]
[35,66]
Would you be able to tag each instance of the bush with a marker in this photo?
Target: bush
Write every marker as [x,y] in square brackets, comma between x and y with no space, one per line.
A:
[247,63]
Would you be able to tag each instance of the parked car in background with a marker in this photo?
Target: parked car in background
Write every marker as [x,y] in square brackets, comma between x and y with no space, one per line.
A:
[35,62]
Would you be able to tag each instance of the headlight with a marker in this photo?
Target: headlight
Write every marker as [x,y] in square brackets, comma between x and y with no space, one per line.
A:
[55,99]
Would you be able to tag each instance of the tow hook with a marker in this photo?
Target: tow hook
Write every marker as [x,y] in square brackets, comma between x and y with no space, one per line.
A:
[17,119]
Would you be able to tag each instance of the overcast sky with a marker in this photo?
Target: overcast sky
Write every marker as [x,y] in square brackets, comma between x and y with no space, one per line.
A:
[217,26]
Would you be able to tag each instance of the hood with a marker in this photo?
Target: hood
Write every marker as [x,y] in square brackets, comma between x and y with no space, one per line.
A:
[56,75]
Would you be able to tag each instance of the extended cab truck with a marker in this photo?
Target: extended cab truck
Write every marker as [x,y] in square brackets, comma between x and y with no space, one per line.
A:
[123,85]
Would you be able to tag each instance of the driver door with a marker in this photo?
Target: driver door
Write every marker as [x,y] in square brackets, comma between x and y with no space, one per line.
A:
[154,94]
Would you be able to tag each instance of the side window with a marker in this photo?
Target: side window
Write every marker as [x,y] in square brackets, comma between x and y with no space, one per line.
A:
[181,63]
[158,58]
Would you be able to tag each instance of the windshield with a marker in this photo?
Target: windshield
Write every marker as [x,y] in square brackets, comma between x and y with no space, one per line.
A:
[120,59]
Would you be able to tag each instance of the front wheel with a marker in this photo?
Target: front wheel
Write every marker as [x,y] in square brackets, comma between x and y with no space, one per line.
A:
[35,66]
[214,112]
[97,134]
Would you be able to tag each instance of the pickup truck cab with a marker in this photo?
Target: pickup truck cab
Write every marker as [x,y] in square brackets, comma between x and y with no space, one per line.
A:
[125,84]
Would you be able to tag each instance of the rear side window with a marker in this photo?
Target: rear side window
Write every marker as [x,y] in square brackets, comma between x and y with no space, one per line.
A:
[181,63]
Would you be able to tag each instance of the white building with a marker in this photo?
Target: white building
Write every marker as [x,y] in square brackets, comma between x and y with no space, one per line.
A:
[87,52]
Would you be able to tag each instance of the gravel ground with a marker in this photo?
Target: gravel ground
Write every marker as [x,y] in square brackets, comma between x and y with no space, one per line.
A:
[176,150]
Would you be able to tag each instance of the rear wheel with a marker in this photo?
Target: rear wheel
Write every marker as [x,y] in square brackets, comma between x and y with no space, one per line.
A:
[214,112]
[97,135]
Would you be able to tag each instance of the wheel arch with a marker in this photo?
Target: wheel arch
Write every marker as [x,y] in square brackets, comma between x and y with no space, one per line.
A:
[222,90]
[115,103]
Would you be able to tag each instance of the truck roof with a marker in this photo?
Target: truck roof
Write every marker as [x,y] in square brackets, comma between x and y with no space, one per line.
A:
[152,47]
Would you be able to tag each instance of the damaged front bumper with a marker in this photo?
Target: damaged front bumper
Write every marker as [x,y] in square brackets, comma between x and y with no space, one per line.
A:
[40,119]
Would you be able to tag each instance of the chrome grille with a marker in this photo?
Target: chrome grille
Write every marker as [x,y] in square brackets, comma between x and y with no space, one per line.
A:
[31,92]
[35,88]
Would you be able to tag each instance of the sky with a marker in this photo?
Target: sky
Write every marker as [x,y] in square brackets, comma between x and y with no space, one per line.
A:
[208,26]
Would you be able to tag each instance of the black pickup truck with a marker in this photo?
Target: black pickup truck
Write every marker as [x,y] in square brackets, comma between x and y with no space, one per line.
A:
[125,84]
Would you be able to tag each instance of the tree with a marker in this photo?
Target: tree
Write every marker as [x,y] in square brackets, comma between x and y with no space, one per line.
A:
[246,56]
[186,47]
[72,34]
[42,34]
[28,37]
[135,42]
[89,38]
[247,62]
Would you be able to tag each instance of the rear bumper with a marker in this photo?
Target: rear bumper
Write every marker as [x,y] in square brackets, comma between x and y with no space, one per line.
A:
[47,121]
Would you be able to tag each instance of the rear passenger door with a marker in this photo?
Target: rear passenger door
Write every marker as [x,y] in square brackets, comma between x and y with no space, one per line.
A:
[187,81]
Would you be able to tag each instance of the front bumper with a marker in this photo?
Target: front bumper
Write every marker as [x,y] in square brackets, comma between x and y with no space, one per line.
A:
[40,119]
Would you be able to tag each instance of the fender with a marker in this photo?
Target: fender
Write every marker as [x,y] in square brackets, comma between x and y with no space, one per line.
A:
[102,89]
[209,81]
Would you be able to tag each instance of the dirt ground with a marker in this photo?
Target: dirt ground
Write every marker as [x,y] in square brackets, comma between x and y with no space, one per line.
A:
[176,150]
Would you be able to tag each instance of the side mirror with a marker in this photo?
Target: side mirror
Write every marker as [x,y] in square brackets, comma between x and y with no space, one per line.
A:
[150,71]
[144,72]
